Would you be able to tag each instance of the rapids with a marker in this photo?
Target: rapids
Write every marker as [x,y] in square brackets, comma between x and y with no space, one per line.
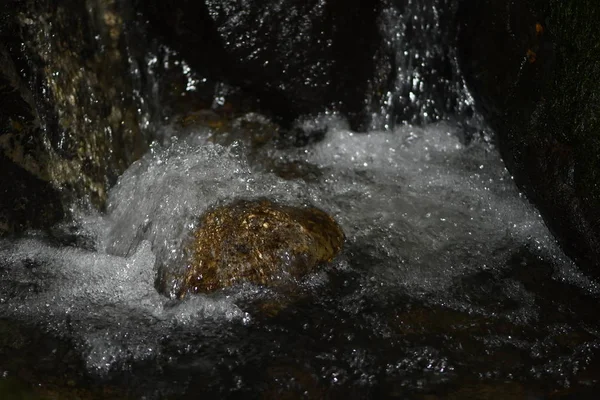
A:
[448,274]
[449,284]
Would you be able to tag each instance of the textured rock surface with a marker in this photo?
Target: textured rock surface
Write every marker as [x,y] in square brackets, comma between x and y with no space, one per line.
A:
[27,198]
[378,63]
[259,242]
[534,67]
[69,121]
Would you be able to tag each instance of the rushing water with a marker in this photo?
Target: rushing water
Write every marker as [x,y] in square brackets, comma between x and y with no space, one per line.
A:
[448,276]
[449,283]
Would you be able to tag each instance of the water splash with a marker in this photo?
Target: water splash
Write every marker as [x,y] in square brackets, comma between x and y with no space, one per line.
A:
[423,217]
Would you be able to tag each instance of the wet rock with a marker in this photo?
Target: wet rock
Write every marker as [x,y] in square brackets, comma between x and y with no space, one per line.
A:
[69,121]
[296,57]
[260,242]
[378,63]
[27,198]
[173,91]
[26,201]
[224,128]
[534,69]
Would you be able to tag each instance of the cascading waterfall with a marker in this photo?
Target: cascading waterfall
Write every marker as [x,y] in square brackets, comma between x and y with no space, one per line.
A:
[418,63]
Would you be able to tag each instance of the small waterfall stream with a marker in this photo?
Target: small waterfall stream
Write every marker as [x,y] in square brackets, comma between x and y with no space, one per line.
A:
[448,283]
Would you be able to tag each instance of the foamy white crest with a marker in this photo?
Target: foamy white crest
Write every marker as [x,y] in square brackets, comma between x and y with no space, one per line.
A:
[161,197]
[429,207]
[419,209]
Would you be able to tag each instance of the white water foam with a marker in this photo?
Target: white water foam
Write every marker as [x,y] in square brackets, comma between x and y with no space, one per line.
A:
[419,210]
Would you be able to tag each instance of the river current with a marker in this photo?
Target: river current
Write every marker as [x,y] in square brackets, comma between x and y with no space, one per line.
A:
[448,278]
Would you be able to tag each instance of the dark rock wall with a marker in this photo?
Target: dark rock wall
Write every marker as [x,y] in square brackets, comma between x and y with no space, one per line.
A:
[296,57]
[534,67]
[378,63]
[27,197]
[74,124]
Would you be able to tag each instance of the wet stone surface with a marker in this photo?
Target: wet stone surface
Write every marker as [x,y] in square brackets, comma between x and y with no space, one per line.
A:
[533,69]
[70,118]
[260,242]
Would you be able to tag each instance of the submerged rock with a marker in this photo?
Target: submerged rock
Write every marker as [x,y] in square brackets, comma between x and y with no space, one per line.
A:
[260,242]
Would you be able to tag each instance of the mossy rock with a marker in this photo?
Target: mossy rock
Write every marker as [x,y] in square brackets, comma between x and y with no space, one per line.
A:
[261,242]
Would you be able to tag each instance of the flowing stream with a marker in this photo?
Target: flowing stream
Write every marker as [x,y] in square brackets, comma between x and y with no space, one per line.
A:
[449,283]
[448,275]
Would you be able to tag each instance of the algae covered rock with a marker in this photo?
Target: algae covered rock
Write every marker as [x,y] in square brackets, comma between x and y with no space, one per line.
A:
[260,242]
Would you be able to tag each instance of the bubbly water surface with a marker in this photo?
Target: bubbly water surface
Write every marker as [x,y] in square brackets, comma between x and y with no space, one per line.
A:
[439,278]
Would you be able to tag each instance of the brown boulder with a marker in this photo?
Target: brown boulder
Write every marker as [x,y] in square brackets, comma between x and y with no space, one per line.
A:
[260,242]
